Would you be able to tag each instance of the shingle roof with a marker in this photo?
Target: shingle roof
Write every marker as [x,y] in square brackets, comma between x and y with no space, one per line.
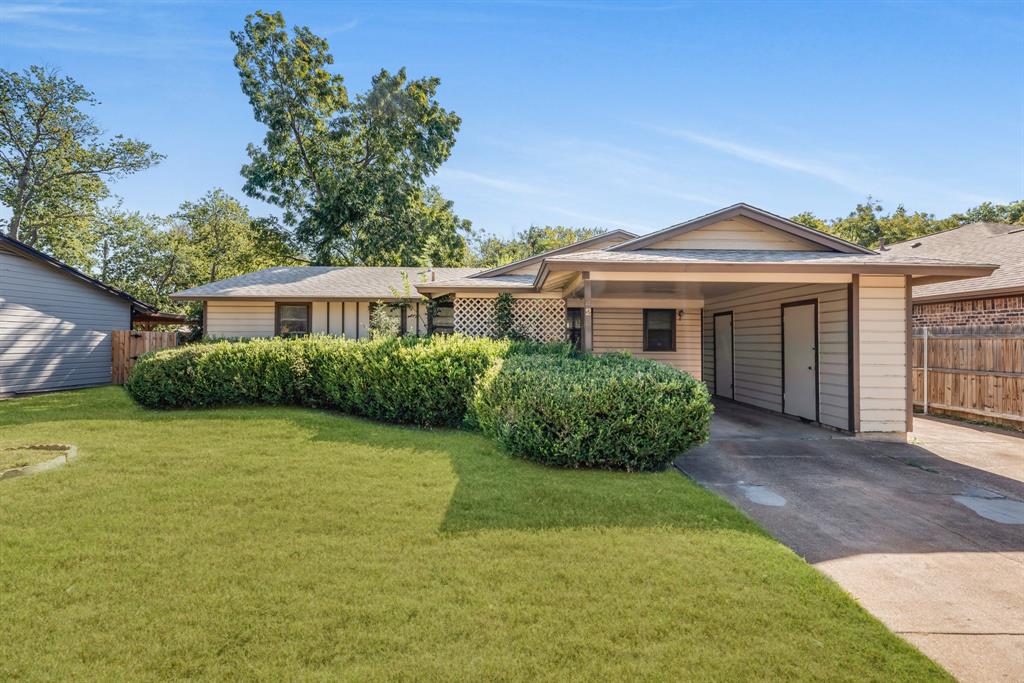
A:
[989,242]
[479,281]
[743,256]
[327,282]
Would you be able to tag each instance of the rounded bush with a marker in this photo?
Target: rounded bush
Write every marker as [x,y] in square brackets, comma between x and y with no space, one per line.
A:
[611,412]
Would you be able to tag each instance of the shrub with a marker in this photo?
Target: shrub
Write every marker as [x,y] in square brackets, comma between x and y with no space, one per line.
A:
[427,382]
[612,412]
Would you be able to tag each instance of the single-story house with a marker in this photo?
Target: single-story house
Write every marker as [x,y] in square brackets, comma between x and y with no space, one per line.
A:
[56,322]
[765,311]
[994,300]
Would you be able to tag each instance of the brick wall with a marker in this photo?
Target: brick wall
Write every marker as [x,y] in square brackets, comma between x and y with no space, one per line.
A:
[1000,310]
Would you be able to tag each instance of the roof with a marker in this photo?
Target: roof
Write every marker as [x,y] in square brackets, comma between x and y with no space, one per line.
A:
[321,282]
[754,213]
[498,282]
[997,243]
[575,246]
[23,249]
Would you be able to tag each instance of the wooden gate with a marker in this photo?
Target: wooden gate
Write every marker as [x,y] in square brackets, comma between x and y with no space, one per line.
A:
[128,345]
[971,372]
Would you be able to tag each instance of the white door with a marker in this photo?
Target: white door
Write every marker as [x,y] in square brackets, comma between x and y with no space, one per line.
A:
[800,360]
[723,355]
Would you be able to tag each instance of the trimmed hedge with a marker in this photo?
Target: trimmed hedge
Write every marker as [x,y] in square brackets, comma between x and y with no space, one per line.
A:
[540,401]
[427,382]
[612,411]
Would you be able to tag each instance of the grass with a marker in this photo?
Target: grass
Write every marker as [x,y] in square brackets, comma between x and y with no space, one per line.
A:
[12,458]
[283,544]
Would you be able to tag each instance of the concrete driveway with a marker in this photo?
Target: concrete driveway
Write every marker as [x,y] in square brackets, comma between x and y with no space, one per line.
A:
[928,536]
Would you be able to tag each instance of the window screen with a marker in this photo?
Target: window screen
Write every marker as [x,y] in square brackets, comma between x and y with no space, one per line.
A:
[659,329]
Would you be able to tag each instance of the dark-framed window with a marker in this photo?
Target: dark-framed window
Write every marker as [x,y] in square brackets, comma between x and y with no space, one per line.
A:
[659,329]
[292,319]
[574,326]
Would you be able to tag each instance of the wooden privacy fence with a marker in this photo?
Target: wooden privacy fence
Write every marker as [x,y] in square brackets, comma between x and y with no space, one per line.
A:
[128,345]
[971,372]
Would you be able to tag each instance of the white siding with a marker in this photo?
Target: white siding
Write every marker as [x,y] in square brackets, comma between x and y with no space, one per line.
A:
[318,317]
[622,329]
[757,340]
[239,318]
[883,360]
[54,328]
[736,233]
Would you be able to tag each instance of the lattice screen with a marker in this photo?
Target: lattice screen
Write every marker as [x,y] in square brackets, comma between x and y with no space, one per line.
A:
[537,319]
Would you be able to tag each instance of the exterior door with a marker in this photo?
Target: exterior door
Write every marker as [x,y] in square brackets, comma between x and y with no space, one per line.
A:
[723,355]
[800,359]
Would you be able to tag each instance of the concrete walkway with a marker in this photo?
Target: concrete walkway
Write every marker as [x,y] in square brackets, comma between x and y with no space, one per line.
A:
[928,536]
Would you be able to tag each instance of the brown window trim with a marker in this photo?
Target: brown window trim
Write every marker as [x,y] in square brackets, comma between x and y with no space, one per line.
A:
[277,315]
[672,318]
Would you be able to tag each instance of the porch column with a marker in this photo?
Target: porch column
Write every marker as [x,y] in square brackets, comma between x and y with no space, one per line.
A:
[588,316]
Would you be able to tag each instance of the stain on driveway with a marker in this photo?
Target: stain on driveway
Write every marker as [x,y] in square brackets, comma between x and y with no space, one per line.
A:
[932,546]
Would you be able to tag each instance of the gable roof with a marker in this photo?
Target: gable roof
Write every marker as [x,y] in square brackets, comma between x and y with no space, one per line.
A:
[997,243]
[321,282]
[575,246]
[30,253]
[747,211]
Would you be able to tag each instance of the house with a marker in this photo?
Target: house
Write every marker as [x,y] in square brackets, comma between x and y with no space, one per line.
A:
[56,322]
[765,311]
[994,300]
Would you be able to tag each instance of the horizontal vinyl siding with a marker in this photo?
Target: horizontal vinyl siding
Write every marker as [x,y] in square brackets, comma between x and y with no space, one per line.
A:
[737,233]
[55,330]
[757,343]
[240,318]
[623,330]
[883,360]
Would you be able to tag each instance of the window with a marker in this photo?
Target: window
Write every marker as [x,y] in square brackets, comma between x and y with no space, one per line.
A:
[574,326]
[659,329]
[292,320]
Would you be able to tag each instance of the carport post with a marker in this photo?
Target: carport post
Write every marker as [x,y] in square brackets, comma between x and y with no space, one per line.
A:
[588,315]
[925,371]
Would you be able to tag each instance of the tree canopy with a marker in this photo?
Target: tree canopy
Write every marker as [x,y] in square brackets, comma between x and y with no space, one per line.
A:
[491,250]
[351,175]
[868,224]
[55,161]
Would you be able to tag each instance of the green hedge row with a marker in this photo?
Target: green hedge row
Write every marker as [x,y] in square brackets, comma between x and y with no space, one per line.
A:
[612,411]
[540,401]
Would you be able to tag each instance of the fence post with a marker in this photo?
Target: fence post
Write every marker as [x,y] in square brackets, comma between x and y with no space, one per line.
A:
[925,370]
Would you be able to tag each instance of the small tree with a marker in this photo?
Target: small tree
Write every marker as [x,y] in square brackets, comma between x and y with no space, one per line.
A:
[382,323]
[503,319]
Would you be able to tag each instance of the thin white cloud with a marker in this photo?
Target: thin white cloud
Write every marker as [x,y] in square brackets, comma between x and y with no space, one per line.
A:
[771,158]
[503,184]
[45,16]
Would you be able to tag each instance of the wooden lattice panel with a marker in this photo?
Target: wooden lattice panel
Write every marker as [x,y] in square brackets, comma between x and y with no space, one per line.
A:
[537,319]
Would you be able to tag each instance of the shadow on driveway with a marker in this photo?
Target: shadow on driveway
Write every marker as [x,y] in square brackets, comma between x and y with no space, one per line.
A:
[932,545]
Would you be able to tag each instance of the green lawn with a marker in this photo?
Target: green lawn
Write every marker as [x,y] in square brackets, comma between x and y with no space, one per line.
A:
[285,544]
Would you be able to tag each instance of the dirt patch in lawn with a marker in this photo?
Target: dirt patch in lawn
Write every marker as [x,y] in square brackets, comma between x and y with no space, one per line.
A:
[18,460]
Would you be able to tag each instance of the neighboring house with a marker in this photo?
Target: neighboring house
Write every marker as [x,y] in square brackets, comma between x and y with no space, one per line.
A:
[994,300]
[766,311]
[56,322]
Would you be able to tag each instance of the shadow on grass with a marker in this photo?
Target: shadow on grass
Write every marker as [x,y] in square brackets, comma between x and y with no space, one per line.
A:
[493,491]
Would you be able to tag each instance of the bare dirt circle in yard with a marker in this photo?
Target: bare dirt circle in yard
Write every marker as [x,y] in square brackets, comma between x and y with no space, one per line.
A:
[16,461]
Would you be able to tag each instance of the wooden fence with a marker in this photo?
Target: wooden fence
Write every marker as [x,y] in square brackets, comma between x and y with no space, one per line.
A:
[128,345]
[971,372]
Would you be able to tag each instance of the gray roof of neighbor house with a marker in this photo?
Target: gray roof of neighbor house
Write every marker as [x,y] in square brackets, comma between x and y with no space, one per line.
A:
[321,282]
[997,243]
[23,249]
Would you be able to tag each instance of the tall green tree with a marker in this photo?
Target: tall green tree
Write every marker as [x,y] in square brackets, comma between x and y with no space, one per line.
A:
[209,239]
[491,250]
[56,163]
[351,175]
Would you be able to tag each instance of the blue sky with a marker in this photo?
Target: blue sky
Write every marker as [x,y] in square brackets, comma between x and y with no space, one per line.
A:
[632,115]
